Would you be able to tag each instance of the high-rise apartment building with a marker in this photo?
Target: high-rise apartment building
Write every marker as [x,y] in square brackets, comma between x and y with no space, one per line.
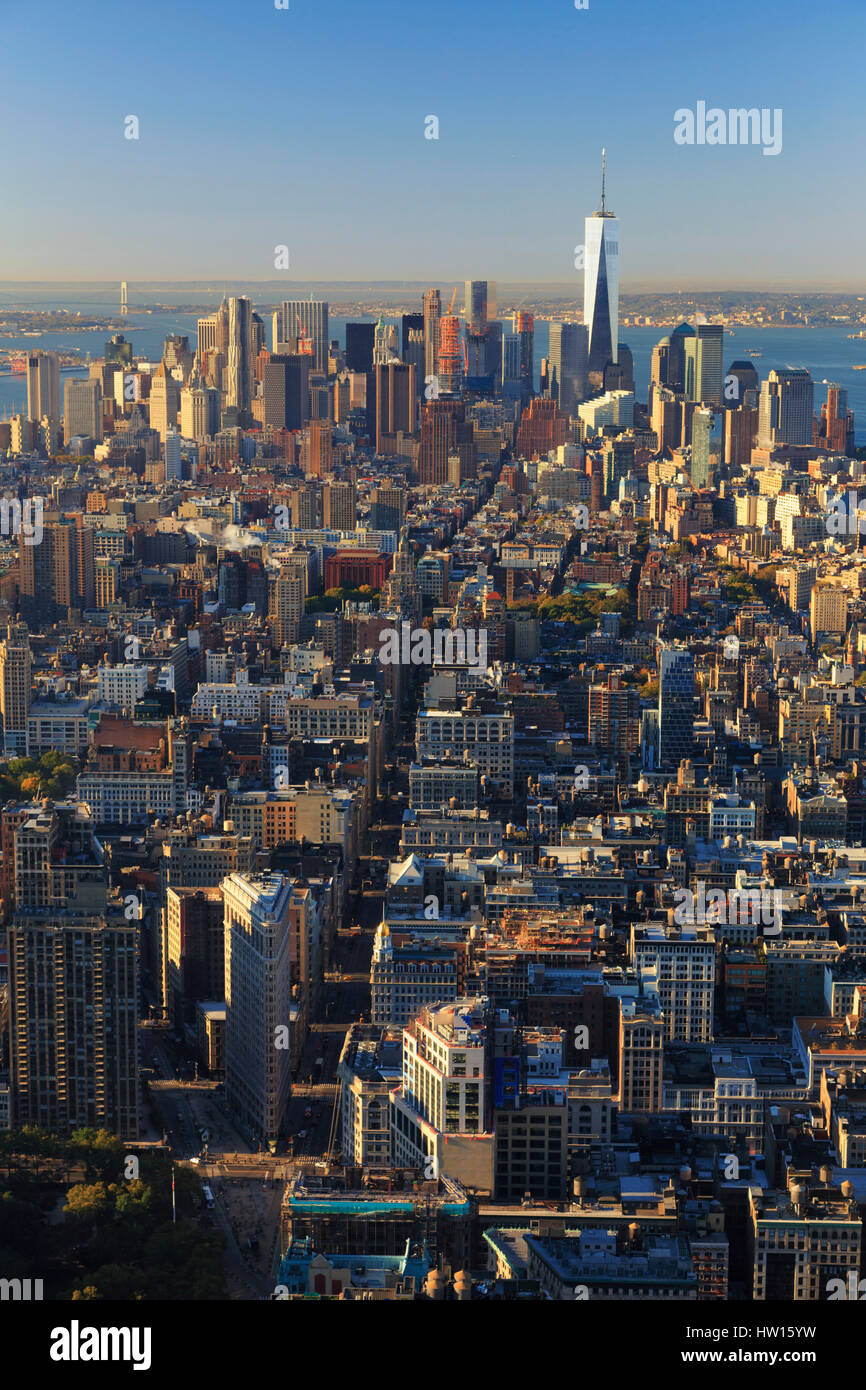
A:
[339,506]
[676,705]
[240,356]
[15,689]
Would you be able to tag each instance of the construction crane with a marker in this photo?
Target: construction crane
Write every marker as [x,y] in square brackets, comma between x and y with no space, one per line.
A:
[453,297]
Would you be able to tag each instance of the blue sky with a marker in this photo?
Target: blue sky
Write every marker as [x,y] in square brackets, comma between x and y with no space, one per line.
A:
[305,127]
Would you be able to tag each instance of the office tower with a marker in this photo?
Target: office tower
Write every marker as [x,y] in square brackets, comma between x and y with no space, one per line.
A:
[444,432]
[542,427]
[512,386]
[73,995]
[619,375]
[82,410]
[258,338]
[475,307]
[258,986]
[359,346]
[320,449]
[478,355]
[119,350]
[164,401]
[432,315]
[703,361]
[568,359]
[176,354]
[741,378]
[286,391]
[413,355]
[666,419]
[43,385]
[308,319]
[386,342]
[339,507]
[677,356]
[740,428]
[239,360]
[676,705]
[387,508]
[173,464]
[660,369]
[601,286]
[396,404]
[15,689]
[213,333]
[524,327]
[785,408]
[835,429]
[199,410]
[409,324]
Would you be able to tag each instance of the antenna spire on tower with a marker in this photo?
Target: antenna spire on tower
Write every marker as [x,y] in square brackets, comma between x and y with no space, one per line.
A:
[602,178]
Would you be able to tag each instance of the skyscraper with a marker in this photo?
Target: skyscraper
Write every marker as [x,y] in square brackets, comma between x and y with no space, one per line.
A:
[308,318]
[676,705]
[601,286]
[432,315]
[339,506]
[286,391]
[15,689]
[173,465]
[396,403]
[524,327]
[82,409]
[359,346]
[703,362]
[450,369]
[258,983]
[785,407]
[568,358]
[164,400]
[239,372]
[43,385]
